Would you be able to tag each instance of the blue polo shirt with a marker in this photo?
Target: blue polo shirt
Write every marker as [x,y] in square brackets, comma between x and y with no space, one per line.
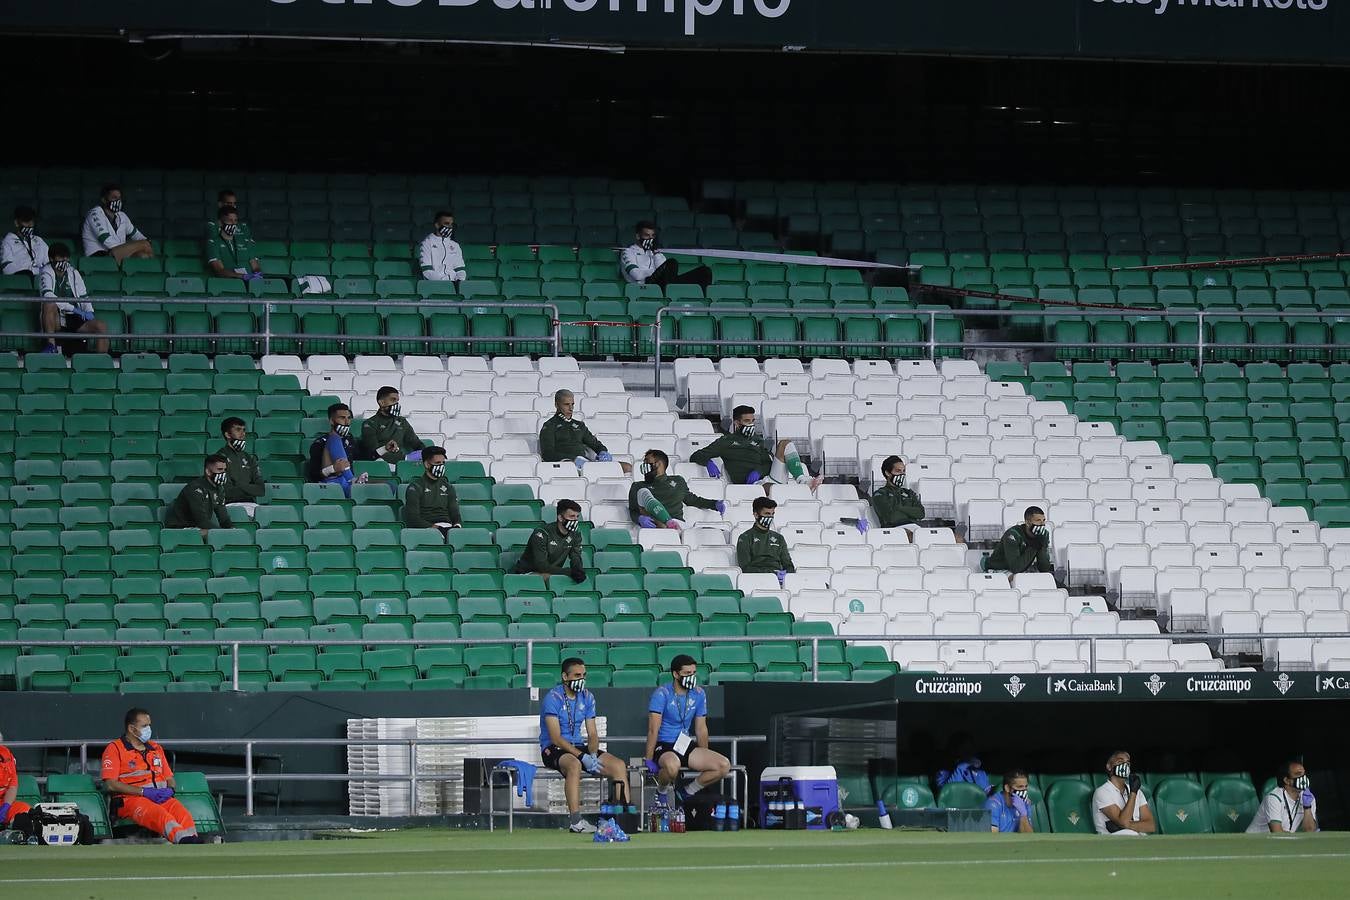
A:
[678,711]
[571,715]
[1001,815]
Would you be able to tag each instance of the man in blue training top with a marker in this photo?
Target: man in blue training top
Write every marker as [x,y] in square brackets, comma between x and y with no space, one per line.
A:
[1010,808]
[331,456]
[967,766]
[566,711]
[677,731]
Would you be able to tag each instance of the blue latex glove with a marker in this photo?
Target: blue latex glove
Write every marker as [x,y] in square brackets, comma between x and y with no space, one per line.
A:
[1021,808]
[158,794]
[4,812]
[652,767]
[87,315]
[713,471]
[591,763]
[604,457]
[721,507]
[862,525]
[524,778]
[782,577]
[647,522]
[1308,799]
[580,462]
[754,478]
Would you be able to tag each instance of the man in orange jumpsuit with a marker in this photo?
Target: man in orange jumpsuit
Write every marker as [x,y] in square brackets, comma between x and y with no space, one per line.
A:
[10,807]
[140,783]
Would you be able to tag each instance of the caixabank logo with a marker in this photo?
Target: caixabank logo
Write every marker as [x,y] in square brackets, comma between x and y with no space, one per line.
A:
[1162,7]
[686,12]
[948,686]
[1332,684]
[1090,685]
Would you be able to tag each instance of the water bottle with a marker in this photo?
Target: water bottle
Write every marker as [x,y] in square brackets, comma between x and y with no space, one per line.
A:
[679,821]
[606,810]
[720,816]
[734,816]
[665,820]
[774,817]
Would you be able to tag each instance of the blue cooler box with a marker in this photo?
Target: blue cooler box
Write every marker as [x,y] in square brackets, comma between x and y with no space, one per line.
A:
[816,786]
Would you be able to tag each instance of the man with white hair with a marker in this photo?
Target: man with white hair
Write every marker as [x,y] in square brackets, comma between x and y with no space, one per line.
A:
[565,438]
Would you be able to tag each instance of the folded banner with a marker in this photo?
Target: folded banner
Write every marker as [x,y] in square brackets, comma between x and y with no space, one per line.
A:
[791,259]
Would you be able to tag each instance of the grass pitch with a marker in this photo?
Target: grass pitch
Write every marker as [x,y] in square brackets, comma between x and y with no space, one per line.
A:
[535,864]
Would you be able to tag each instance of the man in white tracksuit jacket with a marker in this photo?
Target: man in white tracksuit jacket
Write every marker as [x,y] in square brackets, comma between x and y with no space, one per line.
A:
[439,256]
[68,310]
[110,232]
[23,252]
[642,263]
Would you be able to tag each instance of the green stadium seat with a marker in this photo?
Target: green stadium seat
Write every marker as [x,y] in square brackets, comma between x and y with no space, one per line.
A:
[1180,807]
[1069,804]
[1232,804]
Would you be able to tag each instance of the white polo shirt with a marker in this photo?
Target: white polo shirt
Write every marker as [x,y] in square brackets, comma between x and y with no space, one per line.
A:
[1278,806]
[18,255]
[1110,795]
[102,232]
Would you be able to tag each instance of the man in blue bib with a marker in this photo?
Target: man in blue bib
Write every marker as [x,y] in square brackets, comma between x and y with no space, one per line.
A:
[565,747]
[677,731]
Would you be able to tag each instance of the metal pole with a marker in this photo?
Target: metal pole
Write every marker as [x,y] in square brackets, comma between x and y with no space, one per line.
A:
[84,759]
[529,663]
[656,354]
[412,776]
[267,329]
[815,658]
[1200,343]
[557,333]
[932,336]
[1092,654]
[248,773]
[234,666]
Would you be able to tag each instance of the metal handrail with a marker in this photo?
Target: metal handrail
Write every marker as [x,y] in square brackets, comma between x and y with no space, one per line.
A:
[268,334]
[250,774]
[814,640]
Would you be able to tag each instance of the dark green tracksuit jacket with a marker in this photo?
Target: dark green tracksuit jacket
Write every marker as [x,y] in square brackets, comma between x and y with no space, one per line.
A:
[428,501]
[380,429]
[896,506]
[672,491]
[196,504]
[1017,552]
[763,551]
[551,550]
[245,484]
[562,440]
[742,455]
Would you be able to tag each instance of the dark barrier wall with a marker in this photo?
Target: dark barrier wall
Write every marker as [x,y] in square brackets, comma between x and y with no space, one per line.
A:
[1246,30]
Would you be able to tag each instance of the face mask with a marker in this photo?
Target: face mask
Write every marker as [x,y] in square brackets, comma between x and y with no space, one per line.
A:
[648,244]
[61,266]
[144,733]
[1122,770]
[764,522]
[1024,793]
[115,206]
[647,471]
[436,470]
[576,685]
[1040,530]
[897,480]
[228,230]
[218,479]
[689,682]
[1302,783]
[26,232]
[748,430]
[394,411]
[445,231]
[569,525]
[237,444]
[342,430]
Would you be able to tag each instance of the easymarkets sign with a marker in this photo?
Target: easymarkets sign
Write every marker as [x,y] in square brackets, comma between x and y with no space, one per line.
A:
[1234,30]
[924,687]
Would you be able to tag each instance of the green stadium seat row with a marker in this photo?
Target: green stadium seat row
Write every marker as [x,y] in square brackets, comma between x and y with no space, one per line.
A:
[192,791]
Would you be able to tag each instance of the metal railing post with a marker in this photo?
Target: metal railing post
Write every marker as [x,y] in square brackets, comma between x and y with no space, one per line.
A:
[529,663]
[557,333]
[234,666]
[1200,342]
[815,658]
[932,336]
[656,355]
[412,776]
[248,783]
[267,328]
[1092,654]
[84,759]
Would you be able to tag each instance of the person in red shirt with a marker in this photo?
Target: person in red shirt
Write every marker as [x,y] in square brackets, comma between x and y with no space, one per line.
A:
[10,807]
[140,783]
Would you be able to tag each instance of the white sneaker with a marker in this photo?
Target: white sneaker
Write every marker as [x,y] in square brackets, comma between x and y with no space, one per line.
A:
[581,827]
